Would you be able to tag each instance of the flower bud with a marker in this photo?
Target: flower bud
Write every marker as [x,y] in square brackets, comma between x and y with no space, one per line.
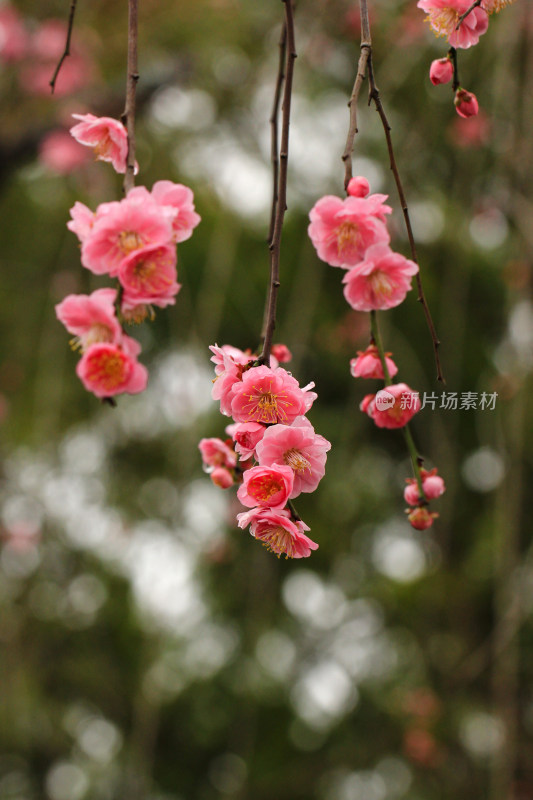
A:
[420,518]
[441,71]
[466,103]
[358,187]
[222,477]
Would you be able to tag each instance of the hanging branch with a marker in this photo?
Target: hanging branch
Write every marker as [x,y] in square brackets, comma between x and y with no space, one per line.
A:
[274,129]
[365,61]
[452,52]
[281,203]
[128,117]
[66,51]
[375,98]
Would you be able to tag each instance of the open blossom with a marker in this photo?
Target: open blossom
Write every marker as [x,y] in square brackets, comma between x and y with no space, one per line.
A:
[342,230]
[110,369]
[368,364]
[91,318]
[229,363]
[107,136]
[216,453]
[300,448]
[278,532]
[432,484]
[380,281]
[246,436]
[222,477]
[393,406]
[441,71]
[269,396]
[466,103]
[122,228]
[148,276]
[181,200]
[269,487]
[443,17]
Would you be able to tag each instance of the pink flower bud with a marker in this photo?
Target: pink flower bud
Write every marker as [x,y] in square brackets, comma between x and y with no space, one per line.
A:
[410,493]
[433,487]
[466,103]
[441,71]
[222,477]
[420,518]
[358,187]
[281,353]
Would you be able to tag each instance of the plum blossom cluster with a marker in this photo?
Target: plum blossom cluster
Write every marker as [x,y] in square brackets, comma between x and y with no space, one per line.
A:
[273,452]
[462,23]
[134,241]
[352,234]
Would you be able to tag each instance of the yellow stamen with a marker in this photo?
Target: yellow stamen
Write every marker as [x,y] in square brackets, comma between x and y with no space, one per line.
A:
[297,461]
[128,241]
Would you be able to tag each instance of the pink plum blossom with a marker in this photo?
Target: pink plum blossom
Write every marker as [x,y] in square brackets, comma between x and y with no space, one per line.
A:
[393,406]
[229,363]
[108,138]
[358,187]
[269,396]
[494,6]
[181,199]
[91,318]
[246,436]
[443,17]
[342,230]
[59,153]
[122,228]
[420,518]
[82,220]
[278,533]
[110,369]
[300,448]
[380,281]
[441,71]
[148,276]
[432,484]
[216,453]
[368,364]
[269,487]
[466,103]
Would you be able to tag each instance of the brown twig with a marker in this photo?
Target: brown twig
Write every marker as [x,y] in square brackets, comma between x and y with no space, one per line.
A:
[468,11]
[375,98]
[281,204]
[452,52]
[274,155]
[128,117]
[366,47]
[66,51]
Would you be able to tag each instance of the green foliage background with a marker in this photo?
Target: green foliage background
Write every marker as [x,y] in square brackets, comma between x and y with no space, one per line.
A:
[153,651]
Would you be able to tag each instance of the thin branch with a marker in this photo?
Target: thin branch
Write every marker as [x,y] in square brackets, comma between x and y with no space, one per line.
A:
[452,52]
[66,51]
[128,117]
[274,155]
[282,186]
[375,98]
[366,47]
[468,11]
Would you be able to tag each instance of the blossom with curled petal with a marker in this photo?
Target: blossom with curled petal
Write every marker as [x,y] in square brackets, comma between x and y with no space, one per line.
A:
[443,17]
[380,281]
[278,533]
[269,396]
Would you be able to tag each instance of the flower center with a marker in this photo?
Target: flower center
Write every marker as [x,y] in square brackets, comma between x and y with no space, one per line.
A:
[346,236]
[128,241]
[296,460]
[278,541]
[445,21]
[381,285]
[97,333]
[264,487]
[103,146]
[107,370]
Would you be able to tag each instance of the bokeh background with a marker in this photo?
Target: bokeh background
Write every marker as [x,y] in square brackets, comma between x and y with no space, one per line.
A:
[153,651]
